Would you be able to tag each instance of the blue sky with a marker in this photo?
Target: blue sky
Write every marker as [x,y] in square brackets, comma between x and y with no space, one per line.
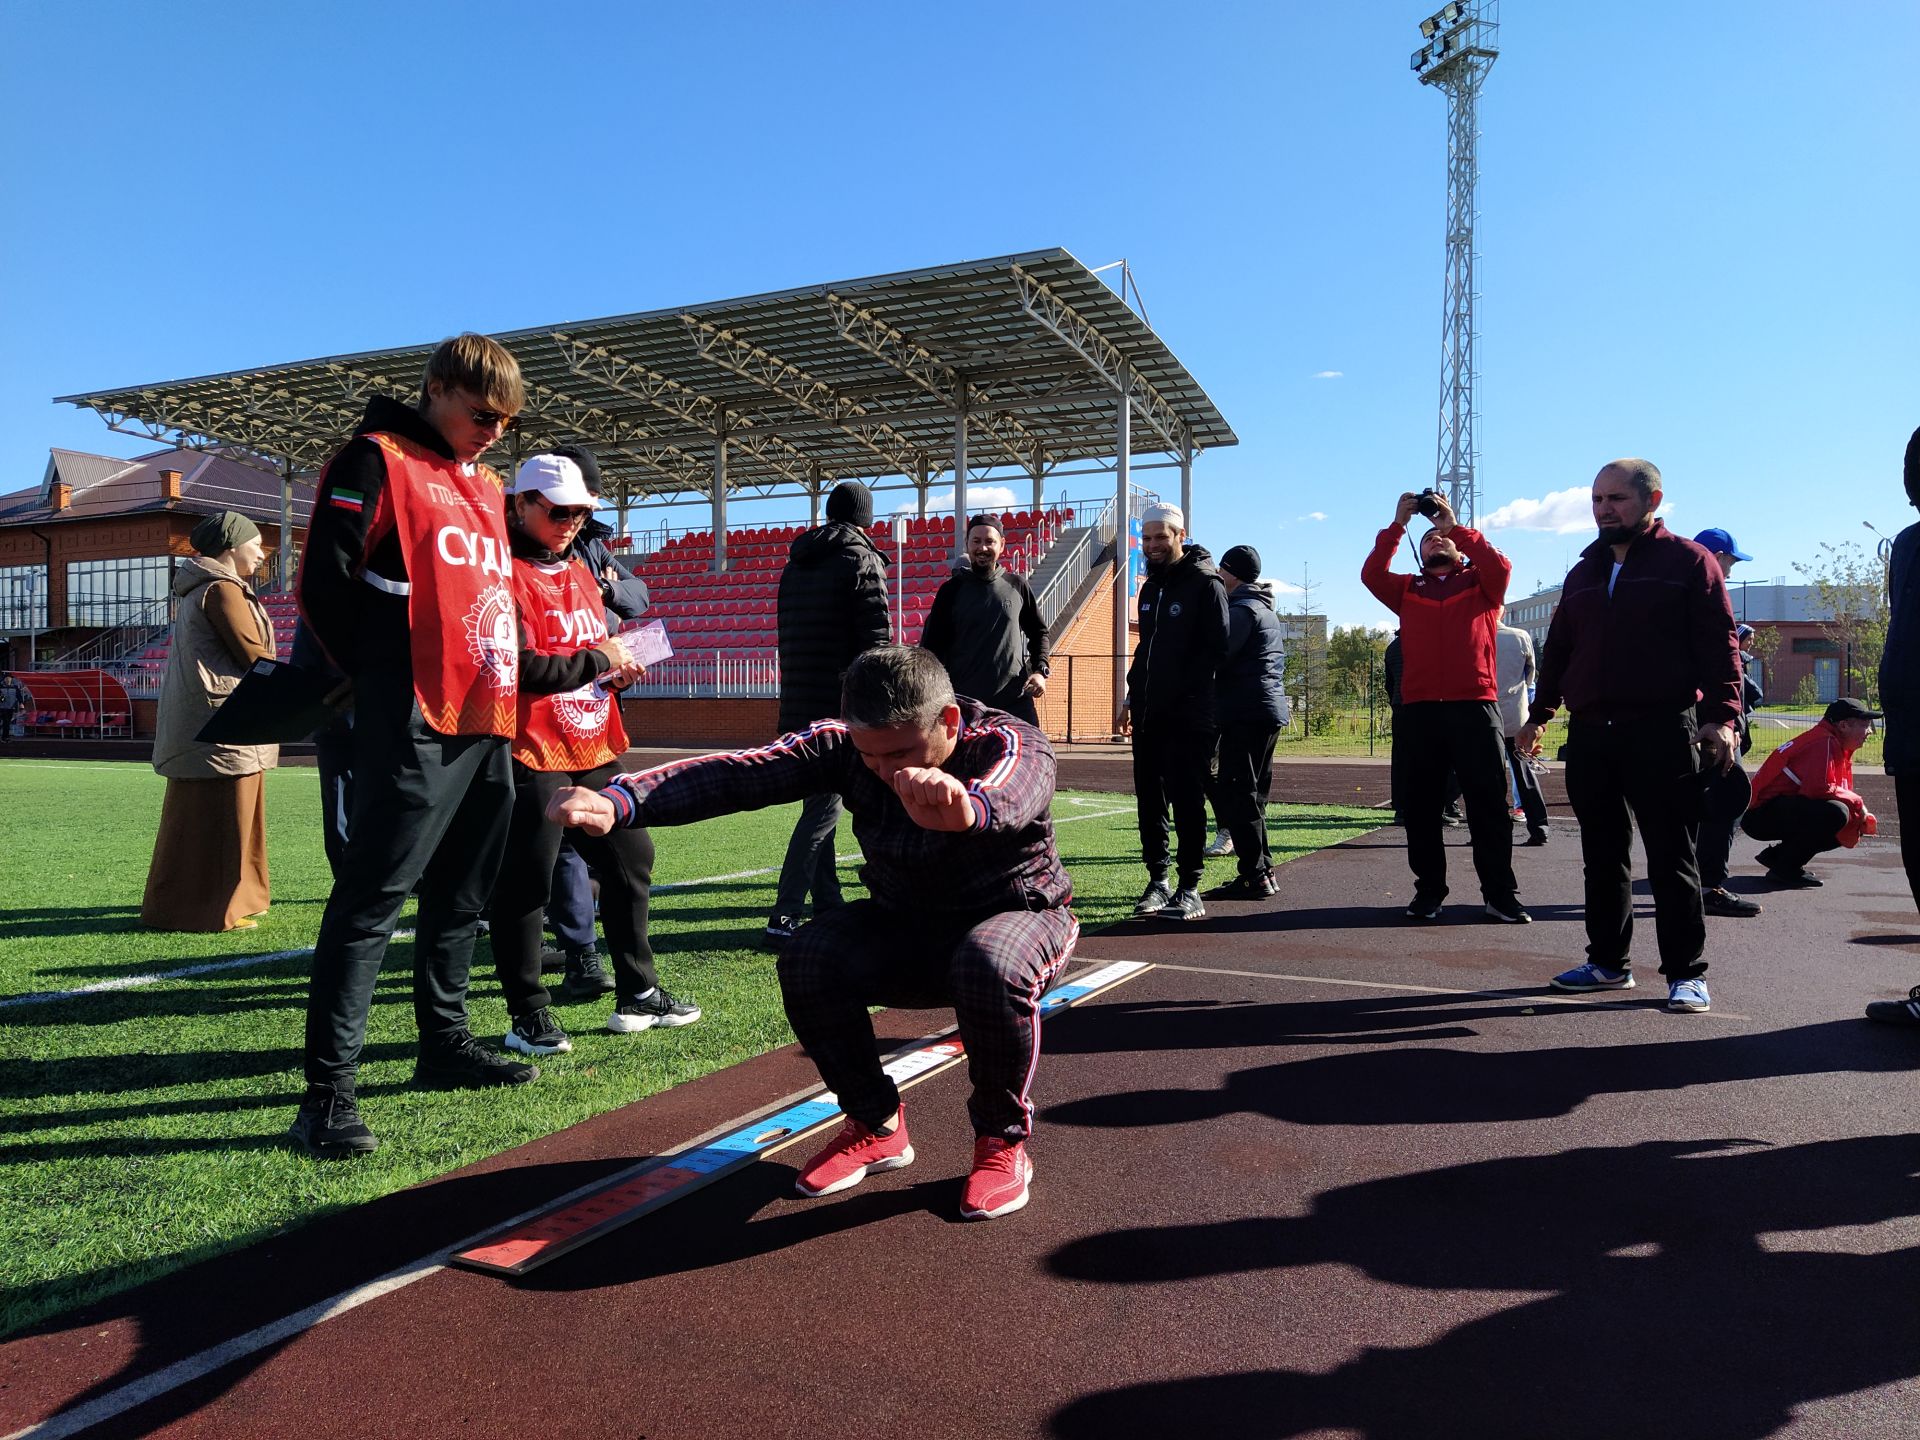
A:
[1698,227]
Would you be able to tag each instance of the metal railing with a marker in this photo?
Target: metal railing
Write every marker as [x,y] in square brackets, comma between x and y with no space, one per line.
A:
[1074,565]
[138,631]
[710,677]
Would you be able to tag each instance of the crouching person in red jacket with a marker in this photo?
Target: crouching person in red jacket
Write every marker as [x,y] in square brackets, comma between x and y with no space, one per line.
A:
[1803,797]
[969,901]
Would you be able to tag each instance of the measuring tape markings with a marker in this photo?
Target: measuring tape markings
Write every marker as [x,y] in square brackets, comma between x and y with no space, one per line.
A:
[672,1177]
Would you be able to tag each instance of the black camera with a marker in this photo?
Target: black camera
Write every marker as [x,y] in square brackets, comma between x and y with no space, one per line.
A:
[1427,502]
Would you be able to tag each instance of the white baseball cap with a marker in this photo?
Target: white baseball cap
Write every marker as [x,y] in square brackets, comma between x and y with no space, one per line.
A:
[555,477]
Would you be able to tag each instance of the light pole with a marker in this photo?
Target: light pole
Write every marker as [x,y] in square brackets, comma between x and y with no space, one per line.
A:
[1458,48]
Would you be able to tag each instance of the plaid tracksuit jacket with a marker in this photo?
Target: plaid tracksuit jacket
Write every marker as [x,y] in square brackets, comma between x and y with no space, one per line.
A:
[977,919]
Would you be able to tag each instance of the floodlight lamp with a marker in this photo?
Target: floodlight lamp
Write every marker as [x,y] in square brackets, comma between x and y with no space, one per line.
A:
[1419,59]
[1450,14]
[1427,27]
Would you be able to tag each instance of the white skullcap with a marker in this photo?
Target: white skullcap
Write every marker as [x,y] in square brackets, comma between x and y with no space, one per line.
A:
[1166,514]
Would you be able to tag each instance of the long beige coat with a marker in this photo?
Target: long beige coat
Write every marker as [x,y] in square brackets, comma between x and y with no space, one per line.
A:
[201,673]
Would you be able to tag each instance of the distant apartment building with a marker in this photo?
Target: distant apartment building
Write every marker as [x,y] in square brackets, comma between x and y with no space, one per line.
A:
[1793,612]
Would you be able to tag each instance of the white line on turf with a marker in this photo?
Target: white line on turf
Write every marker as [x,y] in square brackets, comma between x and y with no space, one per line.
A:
[134,982]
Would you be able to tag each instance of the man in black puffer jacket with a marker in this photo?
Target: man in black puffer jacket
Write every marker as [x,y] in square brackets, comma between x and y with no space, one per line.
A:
[1169,708]
[1251,705]
[832,607]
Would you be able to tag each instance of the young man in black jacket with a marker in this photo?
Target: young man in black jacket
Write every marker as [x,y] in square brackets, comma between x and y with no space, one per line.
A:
[1169,708]
[986,628]
[1251,705]
[832,607]
[404,584]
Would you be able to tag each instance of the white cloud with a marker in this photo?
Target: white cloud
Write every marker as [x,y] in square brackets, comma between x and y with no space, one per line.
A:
[1329,374]
[979,497]
[1312,515]
[1564,512]
[1281,587]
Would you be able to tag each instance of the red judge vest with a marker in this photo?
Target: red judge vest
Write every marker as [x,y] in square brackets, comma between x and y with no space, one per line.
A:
[561,614]
[452,529]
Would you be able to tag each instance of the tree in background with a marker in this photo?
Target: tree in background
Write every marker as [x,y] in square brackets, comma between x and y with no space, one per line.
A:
[1764,644]
[1304,674]
[1353,663]
[1851,582]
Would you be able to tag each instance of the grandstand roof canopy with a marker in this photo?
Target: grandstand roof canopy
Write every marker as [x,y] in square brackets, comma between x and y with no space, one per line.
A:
[861,378]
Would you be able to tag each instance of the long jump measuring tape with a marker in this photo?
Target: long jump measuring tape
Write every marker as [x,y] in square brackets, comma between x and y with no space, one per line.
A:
[663,1179]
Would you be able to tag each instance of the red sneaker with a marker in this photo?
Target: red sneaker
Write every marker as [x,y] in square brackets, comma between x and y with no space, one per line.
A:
[998,1184]
[854,1153]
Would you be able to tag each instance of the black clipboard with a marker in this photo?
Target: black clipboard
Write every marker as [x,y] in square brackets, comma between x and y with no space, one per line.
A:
[275,704]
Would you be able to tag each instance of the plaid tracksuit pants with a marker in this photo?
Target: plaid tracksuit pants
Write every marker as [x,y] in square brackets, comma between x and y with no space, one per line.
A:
[991,968]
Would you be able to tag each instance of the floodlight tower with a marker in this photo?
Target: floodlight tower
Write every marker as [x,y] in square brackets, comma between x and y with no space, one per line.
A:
[1458,48]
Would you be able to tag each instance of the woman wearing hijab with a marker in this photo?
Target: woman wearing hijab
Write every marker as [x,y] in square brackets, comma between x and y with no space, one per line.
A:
[569,732]
[209,868]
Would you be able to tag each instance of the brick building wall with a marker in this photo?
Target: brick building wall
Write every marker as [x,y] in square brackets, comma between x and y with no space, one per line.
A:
[1080,703]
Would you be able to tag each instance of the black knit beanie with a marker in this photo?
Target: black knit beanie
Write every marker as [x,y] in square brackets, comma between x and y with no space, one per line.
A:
[851,503]
[1913,468]
[1243,563]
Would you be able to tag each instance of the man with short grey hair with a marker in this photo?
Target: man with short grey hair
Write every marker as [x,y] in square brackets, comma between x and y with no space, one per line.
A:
[1642,652]
[969,901]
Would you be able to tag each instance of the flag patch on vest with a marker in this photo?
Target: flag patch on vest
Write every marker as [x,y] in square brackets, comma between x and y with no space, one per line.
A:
[349,500]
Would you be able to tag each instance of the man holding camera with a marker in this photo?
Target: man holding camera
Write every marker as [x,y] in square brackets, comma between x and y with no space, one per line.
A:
[1448,717]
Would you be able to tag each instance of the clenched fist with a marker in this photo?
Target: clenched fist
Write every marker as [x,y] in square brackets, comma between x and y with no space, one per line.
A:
[579,808]
[934,799]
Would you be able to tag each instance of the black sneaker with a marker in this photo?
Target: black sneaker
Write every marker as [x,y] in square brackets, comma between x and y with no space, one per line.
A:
[587,978]
[656,1007]
[1718,900]
[1508,912]
[1897,1012]
[1537,837]
[463,1063]
[1185,905]
[1153,900]
[552,959]
[329,1126]
[538,1034]
[1245,887]
[1794,880]
[1422,908]
[779,930]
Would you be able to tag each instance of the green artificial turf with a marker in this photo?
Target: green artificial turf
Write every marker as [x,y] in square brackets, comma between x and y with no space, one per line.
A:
[140,1128]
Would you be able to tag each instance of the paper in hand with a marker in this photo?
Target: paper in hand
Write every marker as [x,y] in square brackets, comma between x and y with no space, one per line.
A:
[646,642]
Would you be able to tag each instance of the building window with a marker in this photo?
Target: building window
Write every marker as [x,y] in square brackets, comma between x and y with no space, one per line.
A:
[118,592]
[23,597]
[1814,645]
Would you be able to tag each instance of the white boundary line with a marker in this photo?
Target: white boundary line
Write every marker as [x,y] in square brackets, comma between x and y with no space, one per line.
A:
[1408,988]
[134,982]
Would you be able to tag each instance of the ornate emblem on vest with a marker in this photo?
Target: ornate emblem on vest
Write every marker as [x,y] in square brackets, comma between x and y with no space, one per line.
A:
[582,712]
[491,640]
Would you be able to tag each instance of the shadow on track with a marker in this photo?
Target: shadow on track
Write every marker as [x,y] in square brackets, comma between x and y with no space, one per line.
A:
[1676,1303]
[1416,1085]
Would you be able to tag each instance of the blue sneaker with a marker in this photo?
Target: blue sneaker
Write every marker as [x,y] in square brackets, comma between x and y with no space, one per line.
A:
[1689,995]
[1593,977]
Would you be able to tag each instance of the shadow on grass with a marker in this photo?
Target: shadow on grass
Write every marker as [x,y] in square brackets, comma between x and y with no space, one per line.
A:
[27,1079]
[1693,1236]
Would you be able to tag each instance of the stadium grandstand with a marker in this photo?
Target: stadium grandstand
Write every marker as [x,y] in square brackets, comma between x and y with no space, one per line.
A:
[1026,374]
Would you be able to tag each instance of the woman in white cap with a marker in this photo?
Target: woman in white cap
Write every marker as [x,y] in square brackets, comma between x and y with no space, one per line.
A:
[569,732]
[209,868]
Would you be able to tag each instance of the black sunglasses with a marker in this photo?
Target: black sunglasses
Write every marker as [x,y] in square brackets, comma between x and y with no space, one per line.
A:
[507,423]
[562,513]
